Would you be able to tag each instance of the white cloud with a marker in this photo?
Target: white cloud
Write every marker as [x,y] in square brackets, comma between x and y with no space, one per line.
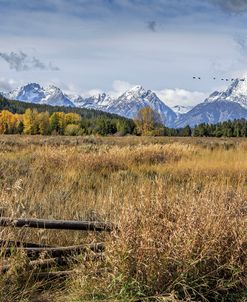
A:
[7,85]
[183,97]
[68,88]
[20,61]
[119,87]
[91,92]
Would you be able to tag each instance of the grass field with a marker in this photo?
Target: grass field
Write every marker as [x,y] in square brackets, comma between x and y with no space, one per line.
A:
[180,205]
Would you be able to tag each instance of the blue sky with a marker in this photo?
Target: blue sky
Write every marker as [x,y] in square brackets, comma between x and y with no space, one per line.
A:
[86,46]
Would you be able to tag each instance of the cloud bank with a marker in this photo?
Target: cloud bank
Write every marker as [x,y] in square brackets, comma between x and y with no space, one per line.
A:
[7,85]
[173,97]
[23,62]
[232,6]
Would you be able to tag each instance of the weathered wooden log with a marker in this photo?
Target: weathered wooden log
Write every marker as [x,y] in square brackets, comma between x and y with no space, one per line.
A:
[56,224]
[34,252]
[8,243]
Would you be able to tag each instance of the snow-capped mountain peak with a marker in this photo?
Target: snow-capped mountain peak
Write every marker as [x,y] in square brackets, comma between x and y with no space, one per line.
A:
[55,97]
[31,93]
[236,92]
[53,88]
[34,93]
[137,89]
[130,102]
[135,92]
[237,89]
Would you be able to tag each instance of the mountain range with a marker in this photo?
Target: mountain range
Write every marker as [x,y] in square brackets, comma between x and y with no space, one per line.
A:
[219,106]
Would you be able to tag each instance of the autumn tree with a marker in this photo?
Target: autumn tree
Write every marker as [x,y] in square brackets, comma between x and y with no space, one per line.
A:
[19,126]
[72,130]
[148,122]
[4,121]
[72,118]
[15,123]
[58,122]
[44,123]
[30,121]
[10,123]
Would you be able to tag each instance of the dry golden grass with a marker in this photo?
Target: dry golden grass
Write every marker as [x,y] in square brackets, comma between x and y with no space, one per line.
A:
[180,205]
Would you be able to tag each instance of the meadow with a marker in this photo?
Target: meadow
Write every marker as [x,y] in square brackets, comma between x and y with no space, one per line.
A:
[180,205]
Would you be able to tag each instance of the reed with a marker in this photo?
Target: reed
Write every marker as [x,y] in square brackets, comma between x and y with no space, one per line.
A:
[179,204]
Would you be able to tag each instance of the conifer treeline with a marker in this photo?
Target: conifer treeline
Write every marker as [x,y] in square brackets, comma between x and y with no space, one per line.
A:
[236,128]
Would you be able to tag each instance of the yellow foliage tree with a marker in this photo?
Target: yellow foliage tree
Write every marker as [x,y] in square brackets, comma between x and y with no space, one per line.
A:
[148,122]
[10,123]
[43,123]
[5,118]
[72,118]
[30,121]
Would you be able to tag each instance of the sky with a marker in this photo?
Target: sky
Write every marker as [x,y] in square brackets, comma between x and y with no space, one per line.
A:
[91,46]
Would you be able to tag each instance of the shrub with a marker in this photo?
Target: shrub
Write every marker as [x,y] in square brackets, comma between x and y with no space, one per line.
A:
[72,130]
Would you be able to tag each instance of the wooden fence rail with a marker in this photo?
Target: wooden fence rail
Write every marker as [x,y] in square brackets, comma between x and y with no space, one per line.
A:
[55,251]
[54,255]
[56,224]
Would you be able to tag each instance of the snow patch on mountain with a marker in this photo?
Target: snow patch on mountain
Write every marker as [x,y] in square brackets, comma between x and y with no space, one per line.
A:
[99,102]
[179,109]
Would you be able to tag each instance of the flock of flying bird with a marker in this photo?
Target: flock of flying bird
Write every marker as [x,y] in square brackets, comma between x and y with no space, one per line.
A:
[227,80]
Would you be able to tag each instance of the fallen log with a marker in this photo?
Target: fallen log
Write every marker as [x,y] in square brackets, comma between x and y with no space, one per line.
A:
[56,224]
[34,252]
[9,243]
